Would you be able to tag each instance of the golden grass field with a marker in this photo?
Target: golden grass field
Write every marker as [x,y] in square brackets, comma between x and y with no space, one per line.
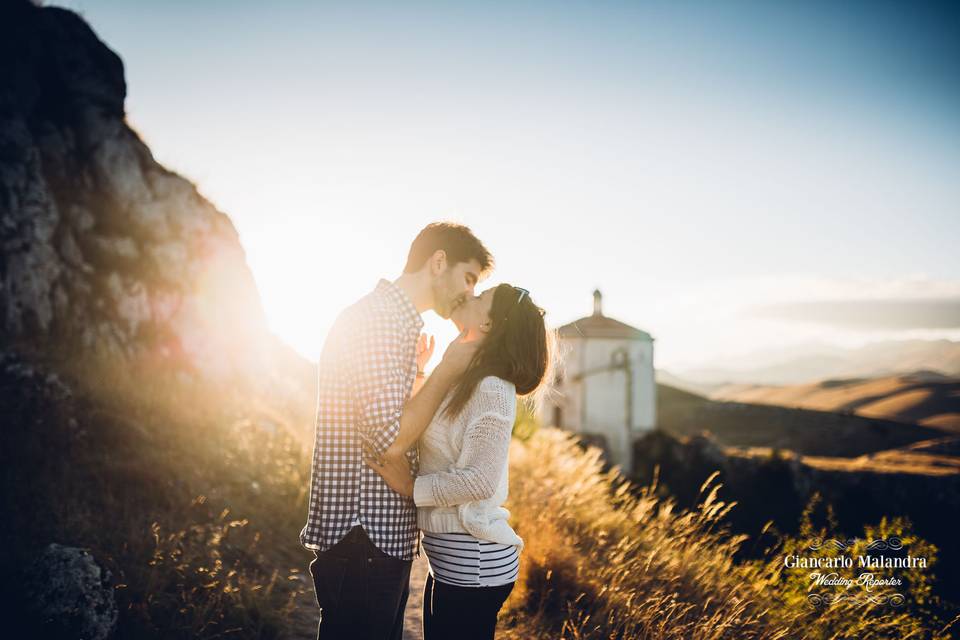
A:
[603,561]
[194,498]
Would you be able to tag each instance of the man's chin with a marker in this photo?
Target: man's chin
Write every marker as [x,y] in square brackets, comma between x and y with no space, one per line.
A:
[448,313]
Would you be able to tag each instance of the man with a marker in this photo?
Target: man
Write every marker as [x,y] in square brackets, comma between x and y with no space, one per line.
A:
[363,533]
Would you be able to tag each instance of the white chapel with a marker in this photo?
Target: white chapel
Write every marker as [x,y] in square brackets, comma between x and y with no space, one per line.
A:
[606,384]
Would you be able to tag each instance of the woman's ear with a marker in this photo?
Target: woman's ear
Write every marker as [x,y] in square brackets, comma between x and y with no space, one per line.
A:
[485,326]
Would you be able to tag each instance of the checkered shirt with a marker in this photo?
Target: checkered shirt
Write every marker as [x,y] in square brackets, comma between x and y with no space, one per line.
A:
[365,375]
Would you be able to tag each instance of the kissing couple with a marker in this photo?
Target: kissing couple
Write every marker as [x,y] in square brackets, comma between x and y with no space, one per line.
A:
[397,452]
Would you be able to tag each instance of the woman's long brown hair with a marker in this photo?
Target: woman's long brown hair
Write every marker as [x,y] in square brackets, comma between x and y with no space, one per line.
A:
[518,348]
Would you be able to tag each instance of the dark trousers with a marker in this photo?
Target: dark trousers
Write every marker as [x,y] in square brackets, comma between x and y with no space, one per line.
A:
[452,612]
[362,591]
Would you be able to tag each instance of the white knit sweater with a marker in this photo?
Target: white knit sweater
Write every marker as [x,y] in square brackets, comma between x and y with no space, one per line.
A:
[463,477]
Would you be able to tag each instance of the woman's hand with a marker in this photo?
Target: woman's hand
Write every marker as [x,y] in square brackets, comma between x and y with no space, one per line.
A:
[393,467]
[425,345]
[458,356]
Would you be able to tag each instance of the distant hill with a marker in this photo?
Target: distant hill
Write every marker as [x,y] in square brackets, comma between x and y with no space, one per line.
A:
[702,389]
[805,431]
[922,397]
[817,362]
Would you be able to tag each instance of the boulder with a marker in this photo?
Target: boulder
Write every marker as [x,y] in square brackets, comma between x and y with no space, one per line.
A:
[70,595]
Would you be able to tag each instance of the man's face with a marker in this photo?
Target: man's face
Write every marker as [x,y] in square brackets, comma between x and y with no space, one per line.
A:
[454,285]
[474,314]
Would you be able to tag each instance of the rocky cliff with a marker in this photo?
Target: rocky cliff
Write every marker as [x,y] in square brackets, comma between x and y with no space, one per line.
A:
[144,398]
[104,251]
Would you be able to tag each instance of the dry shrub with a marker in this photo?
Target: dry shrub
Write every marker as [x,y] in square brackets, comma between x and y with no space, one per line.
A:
[603,559]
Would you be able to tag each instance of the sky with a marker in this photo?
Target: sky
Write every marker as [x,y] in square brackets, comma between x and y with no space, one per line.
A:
[735,177]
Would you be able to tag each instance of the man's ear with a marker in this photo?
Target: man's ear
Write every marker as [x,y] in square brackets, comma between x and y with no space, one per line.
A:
[438,262]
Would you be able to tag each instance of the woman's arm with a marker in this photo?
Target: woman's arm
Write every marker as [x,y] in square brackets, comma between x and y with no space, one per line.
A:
[486,443]
[425,345]
[485,447]
[419,409]
[393,464]
[418,384]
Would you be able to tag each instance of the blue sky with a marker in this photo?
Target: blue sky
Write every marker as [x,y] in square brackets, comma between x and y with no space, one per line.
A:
[697,161]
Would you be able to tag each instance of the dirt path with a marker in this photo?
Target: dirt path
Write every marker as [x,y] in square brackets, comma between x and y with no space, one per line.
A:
[412,629]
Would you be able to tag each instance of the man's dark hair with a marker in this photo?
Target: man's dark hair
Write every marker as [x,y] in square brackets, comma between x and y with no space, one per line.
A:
[456,240]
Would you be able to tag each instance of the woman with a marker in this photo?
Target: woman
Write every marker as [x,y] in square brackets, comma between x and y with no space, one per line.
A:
[462,483]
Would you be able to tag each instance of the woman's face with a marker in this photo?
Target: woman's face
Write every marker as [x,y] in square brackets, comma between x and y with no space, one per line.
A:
[474,315]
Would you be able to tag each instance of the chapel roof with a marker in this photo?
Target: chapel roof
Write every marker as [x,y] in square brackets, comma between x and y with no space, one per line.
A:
[598,325]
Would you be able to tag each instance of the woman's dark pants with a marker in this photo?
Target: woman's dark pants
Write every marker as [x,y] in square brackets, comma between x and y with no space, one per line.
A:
[461,613]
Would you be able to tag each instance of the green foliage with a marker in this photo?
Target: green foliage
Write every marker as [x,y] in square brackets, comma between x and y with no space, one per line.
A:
[526,423]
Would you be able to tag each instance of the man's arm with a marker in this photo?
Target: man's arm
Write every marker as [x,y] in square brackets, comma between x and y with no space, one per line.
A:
[378,373]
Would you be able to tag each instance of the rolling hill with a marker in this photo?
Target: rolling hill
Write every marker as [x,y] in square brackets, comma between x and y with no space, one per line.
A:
[806,431]
[800,364]
[923,397]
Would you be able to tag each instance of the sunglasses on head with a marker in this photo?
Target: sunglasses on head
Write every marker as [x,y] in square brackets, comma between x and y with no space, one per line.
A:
[523,294]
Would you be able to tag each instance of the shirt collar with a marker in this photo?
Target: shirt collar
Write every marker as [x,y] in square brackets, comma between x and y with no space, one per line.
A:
[405,308]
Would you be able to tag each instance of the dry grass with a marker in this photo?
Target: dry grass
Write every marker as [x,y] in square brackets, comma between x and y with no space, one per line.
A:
[193,496]
[602,561]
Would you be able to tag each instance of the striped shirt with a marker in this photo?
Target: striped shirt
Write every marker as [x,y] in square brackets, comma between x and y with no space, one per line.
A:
[461,559]
[365,375]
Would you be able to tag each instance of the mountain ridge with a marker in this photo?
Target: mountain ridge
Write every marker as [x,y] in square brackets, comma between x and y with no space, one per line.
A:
[884,358]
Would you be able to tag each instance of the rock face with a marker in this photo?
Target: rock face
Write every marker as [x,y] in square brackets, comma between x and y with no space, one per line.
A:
[103,249]
[71,594]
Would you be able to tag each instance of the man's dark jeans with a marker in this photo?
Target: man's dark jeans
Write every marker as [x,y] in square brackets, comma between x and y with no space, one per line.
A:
[362,591]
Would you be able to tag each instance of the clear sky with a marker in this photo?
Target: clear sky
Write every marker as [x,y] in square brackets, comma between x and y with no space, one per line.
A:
[696,161]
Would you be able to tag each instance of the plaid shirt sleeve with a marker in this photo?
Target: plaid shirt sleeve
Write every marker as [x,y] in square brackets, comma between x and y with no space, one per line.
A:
[380,378]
